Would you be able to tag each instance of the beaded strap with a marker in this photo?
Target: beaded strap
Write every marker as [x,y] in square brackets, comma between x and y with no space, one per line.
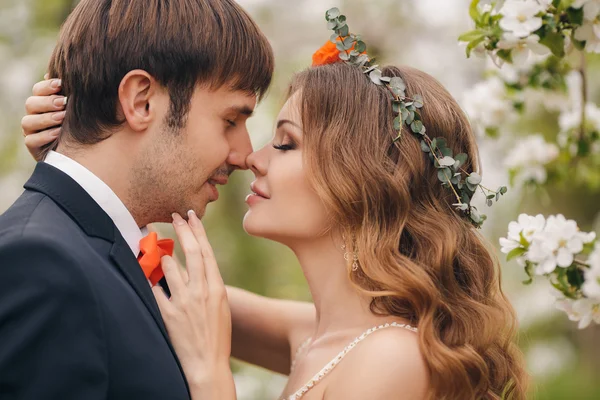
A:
[333,363]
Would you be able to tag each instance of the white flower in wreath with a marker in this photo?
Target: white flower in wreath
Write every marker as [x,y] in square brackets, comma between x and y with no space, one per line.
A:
[582,310]
[529,158]
[520,17]
[522,47]
[591,286]
[557,245]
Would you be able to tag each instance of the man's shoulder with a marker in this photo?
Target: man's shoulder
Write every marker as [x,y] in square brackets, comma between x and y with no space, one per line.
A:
[32,214]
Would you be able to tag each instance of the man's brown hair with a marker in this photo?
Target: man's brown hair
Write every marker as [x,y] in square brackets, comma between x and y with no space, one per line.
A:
[181,43]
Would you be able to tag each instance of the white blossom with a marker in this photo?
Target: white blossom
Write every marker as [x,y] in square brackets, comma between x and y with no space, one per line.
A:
[582,310]
[522,47]
[591,8]
[529,157]
[526,225]
[591,286]
[570,120]
[557,245]
[487,104]
[590,33]
[520,17]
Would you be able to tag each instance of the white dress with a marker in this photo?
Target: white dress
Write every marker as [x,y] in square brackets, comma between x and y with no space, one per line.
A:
[336,360]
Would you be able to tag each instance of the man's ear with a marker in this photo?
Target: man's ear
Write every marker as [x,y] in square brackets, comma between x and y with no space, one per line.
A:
[139,96]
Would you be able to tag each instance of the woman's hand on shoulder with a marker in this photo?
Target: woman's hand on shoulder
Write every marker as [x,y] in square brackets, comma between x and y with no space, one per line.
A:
[44,115]
[386,365]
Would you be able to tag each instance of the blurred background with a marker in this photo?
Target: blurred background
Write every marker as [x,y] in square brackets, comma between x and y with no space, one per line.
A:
[564,361]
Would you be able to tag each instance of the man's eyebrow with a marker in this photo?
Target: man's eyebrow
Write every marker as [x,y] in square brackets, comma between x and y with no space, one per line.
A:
[287,121]
[245,110]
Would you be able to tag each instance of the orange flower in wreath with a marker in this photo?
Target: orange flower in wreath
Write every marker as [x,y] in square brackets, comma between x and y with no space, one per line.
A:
[328,54]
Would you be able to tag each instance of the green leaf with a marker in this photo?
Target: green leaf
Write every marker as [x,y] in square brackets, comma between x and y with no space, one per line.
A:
[575,15]
[361,47]
[375,76]
[340,46]
[471,35]
[333,38]
[555,42]
[578,44]
[505,55]
[348,42]
[522,240]
[461,158]
[472,45]
[344,56]
[405,115]
[474,10]
[331,25]
[418,100]
[474,179]
[342,19]
[411,117]
[332,13]
[416,127]
[398,83]
[343,31]
[518,252]
[397,123]
[446,161]
[444,174]
[385,79]
[425,147]
[447,152]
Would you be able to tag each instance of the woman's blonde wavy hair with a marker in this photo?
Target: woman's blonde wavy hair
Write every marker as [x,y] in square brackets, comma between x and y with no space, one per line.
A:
[419,258]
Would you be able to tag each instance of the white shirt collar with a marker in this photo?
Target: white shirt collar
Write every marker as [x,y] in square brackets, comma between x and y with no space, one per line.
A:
[103,195]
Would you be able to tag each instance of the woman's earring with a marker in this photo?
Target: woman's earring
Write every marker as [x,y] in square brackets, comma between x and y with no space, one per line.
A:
[354,256]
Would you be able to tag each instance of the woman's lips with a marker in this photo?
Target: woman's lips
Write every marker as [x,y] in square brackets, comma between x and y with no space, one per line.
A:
[257,195]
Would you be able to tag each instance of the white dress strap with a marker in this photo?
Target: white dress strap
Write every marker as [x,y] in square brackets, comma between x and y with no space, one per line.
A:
[335,361]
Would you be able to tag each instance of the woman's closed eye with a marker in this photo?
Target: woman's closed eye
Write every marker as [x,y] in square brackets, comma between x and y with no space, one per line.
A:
[285,146]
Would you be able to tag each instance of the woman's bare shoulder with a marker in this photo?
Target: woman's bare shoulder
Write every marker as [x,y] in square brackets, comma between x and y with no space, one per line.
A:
[388,364]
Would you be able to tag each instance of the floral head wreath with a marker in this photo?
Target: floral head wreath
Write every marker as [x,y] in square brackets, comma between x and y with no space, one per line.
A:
[349,48]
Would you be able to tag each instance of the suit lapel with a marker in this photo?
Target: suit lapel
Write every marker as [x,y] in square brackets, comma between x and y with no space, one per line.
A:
[90,217]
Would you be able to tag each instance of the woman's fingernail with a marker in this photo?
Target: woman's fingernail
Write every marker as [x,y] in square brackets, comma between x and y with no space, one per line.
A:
[59,116]
[192,218]
[60,102]
[177,220]
[54,132]
[56,83]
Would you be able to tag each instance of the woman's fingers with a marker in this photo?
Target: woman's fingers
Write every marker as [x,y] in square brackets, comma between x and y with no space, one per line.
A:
[192,250]
[173,276]
[35,142]
[44,104]
[47,87]
[34,123]
[213,275]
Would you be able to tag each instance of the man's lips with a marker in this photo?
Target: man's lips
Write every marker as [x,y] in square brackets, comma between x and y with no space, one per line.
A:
[218,180]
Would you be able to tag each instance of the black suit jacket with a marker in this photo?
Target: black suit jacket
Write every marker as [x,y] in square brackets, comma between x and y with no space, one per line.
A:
[78,319]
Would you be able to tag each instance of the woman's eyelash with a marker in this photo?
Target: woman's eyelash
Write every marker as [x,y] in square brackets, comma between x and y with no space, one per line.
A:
[230,122]
[284,147]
